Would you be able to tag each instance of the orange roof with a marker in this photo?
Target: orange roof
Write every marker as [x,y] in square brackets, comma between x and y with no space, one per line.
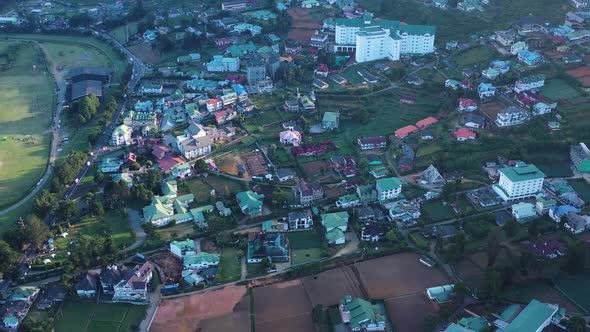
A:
[464,133]
[405,131]
[213,101]
[426,122]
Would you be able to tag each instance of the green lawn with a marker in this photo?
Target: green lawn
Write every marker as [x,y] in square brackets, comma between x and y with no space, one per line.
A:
[119,226]
[230,268]
[304,240]
[120,33]
[557,89]
[582,188]
[178,231]
[222,185]
[299,256]
[437,211]
[199,189]
[26,100]
[90,317]
[481,54]
[576,288]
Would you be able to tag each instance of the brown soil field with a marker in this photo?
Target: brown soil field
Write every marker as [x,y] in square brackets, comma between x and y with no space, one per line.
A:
[228,163]
[579,72]
[398,275]
[283,306]
[329,287]
[471,273]
[302,36]
[145,52]
[301,19]
[313,168]
[190,313]
[407,313]
[585,81]
[492,109]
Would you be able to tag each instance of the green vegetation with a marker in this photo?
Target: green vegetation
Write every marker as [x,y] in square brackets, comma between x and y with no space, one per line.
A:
[437,211]
[473,56]
[230,268]
[420,241]
[299,256]
[26,99]
[557,89]
[582,187]
[86,317]
[304,240]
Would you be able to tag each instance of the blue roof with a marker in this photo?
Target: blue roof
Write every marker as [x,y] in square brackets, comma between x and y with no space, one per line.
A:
[529,55]
[485,86]
[562,210]
[239,89]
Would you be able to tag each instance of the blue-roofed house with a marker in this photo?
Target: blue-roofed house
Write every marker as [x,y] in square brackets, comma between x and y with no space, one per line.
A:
[486,90]
[558,212]
[530,58]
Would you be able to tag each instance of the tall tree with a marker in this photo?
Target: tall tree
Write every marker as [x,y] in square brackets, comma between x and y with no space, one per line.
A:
[9,257]
[577,324]
[35,231]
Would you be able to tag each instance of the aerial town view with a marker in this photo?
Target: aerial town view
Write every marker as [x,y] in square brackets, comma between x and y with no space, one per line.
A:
[294,165]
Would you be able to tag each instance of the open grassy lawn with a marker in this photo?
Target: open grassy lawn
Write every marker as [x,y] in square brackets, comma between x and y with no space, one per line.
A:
[299,256]
[90,317]
[304,240]
[258,120]
[223,185]
[474,55]
[119,226]
[576,288]
[199,188]
[121,33]
[230,267]
[582,188]
[86,51]
[26,100]
[437,211]
[179,231]
[559,89]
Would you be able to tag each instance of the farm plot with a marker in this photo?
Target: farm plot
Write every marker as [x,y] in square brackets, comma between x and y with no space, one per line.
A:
[227,306]
[328,288]
[283,306]
[303,26]
[492,109]
[559,89]
[88,317]
[398,275]
[26,99]
[581,74]
[407,313]
[472,273]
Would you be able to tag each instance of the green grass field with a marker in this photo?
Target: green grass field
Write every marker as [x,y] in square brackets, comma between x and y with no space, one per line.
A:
[473,56]
[120,33]
[576,288]
[299,256]
[582,188]
[304,240]
[26,101]
[559,89]
[437,211]
[69,56]
[90,317]
[229,267]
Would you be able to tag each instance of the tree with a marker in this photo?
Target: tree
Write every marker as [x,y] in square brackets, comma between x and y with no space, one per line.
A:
[494,239]
[493,282]
[44,203]
[392,236]
[460,292]
[533,228]
[511,227]
[576,324]
[279,197]
[200,166]
[575,258]
[99,177]
[165,44]
[116,194]
[9,257]
[153,179]
[266,263]
[316,314]
[67,209]
[35,231]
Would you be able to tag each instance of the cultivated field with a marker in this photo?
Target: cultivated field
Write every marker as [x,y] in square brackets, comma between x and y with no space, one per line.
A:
[228,163]
[92,317]
[204,311]
[544,292]
[302,25]
[492,109]
[398,275]
[26,101]
[407,312]
[284,306]
[329,287]
[582,74]
[559,89]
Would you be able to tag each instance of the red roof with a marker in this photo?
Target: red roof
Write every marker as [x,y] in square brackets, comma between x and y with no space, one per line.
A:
[405,131]
[169,161]
[465,133]
[213,101]
[426,122]
[323,68]
[467,102]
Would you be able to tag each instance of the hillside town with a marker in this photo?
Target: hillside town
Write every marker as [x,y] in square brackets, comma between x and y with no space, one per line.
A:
[312,165]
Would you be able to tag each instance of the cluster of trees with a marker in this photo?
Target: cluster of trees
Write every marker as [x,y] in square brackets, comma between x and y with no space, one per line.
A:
[9,54]
[65,171]
[85,109]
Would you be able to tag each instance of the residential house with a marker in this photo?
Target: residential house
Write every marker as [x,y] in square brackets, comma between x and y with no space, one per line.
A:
[214,104]
[223,64]
[347,201]
[87,285]
[133,288]
[366,193]
[464,134]
[250,202]
[374,232]
[543,108]
[505,37]
[372,142]
[121,135]
[285,174]
[486,90]
[330,120]
[523,212]
[109,277]
[319,40]
[512,116]
[405,131]
[439,231]
[388,189]
[194,142]
[199,261]
[226,115]
[306,192]
[472,120]
[50,296]
[292,137]
[518,182]
[529,83]
[336,224]
[151,88]
[110,165]
[274,246]
[517,47]
[222,209]
[301,219]
[543,205]
[182,248]
[467,105]
[529,57]
[453,84]
[12,314]
[361,315]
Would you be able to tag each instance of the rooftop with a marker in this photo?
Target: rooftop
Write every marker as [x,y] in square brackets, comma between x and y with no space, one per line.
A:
[522,172]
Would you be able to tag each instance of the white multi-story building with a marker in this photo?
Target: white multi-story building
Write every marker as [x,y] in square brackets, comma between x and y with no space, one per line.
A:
[383,39]
[518,182]
[512,116]
[194,142]
[529,83]
[121,135]
[133,288]
[388,188]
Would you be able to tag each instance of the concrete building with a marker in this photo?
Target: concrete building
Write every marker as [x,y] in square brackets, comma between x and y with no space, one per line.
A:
[388,188]
[518,182]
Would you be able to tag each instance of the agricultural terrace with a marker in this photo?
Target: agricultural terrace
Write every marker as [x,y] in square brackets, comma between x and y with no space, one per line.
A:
[26,99]
[76,51]
[93,317]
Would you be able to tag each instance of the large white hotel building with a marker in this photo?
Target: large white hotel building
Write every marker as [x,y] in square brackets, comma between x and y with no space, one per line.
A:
[382,39]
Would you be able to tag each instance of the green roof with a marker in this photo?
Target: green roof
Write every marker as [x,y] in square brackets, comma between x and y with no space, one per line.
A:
[184,245]
[243,49]
[331,117]
[361,313]
[388,24]
[532,317]
[473,323]
[274,38]
[333,235]
[336,219]
[169,188]
[456,328]
[509,312]
[441,293]
[584,166]
[349,198]
[200,258]
[22,292]
[121,130]
[388,184]
[250,202]
[522,172]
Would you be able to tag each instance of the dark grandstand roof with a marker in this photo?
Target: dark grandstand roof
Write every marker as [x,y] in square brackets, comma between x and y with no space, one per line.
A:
[84,88]
[100,71]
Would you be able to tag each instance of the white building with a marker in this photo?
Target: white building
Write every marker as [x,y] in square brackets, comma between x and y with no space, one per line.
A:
[529,83]
[523,211]
[388,188]
[518,182]
[135,284]
[182,248]
[194,142]
[121,135]
[512,116]
[382,39]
